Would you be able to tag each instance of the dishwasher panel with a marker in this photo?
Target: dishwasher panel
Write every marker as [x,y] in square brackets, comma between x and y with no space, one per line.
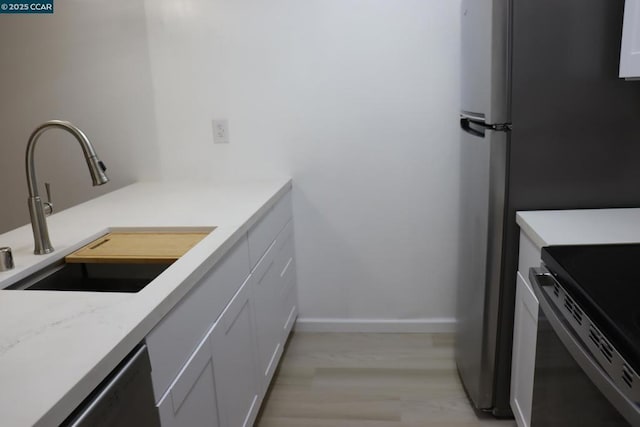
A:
[123,399]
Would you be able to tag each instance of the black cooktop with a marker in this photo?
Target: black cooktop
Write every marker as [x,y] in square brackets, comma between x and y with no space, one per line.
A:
[605,281]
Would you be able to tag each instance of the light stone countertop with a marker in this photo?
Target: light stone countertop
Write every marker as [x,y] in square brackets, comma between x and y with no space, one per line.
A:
[56,347]
[582,226]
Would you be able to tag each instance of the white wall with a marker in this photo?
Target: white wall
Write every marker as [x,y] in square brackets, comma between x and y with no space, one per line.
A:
[87,63]
[357,100]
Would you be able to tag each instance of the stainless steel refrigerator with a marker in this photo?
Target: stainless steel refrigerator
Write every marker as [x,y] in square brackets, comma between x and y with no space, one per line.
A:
[545,123]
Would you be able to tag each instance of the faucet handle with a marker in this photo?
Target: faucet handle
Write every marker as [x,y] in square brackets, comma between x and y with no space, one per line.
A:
[6,259]
[48,205]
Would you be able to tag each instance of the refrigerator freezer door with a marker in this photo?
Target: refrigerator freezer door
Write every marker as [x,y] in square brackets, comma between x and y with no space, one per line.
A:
[483,189]
[485,70]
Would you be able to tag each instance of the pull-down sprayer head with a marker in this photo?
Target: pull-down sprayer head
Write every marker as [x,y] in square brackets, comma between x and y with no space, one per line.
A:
[97,169]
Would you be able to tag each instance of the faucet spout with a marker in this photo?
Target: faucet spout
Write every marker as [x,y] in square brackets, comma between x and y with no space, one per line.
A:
[37,209]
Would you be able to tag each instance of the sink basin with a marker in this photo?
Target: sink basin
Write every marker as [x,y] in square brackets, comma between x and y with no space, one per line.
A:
[122,260]
[87,277]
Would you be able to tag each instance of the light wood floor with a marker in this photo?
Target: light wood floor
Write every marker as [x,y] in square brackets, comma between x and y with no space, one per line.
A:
[369,380]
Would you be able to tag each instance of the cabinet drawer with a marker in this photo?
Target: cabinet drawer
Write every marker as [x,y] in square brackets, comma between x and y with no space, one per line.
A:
[176,336]
[265,231]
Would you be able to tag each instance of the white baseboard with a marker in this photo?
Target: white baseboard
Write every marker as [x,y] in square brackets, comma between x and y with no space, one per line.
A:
[433,325]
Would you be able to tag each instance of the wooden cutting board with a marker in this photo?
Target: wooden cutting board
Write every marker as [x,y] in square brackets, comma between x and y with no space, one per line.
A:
[136,247]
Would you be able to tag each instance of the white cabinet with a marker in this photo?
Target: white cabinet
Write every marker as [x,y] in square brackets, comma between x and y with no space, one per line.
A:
[524,351]
[191,399]
[266,296]
[272,277]
[174,339]
[289,290]
[630,47]
[525,332]
[214,354]
[219,384]
[234,362]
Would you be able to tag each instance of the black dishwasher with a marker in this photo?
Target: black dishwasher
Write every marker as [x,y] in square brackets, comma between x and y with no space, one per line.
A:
[123,399]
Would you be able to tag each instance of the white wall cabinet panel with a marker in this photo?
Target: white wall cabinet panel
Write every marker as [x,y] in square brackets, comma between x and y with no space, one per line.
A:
[234,363]
[191,400]
[524,351]
[630,47]
[172,341]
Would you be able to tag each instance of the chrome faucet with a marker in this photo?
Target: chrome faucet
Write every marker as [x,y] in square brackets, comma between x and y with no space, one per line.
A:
[38,210]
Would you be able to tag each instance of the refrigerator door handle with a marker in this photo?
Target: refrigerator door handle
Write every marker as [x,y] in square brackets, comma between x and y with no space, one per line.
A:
[465,124]
[474,117]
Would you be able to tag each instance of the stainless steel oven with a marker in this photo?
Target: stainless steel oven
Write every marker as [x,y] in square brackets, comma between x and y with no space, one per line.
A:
[584,375]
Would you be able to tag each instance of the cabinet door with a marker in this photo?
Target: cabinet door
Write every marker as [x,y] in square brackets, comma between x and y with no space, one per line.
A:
[524,352]
[191,399]
[176,336]
[266,305]
[630,48]
[273,277]
[233,346]
[288,300]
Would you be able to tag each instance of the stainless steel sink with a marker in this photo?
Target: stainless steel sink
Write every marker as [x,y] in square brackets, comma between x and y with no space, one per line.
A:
[92,277]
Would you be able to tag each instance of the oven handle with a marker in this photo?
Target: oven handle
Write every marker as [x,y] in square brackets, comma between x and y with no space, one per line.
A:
[540,278]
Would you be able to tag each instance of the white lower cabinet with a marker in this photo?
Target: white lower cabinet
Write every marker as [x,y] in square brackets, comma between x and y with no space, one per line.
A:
[288,300]
[214,354]
[234,362]
[271,276]
[176,336]
[525,334]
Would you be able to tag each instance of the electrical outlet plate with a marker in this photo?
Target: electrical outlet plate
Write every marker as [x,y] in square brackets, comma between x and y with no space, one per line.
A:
[220,131]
